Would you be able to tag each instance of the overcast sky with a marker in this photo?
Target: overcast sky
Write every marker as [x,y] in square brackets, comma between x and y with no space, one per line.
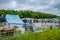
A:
[49,6]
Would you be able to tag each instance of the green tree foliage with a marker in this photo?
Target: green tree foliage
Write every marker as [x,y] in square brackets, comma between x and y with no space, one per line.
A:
[27,14]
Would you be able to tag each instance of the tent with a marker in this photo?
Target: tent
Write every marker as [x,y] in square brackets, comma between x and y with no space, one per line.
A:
[14,20]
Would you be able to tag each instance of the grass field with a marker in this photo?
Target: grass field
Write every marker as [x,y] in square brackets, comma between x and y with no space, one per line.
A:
[46,35]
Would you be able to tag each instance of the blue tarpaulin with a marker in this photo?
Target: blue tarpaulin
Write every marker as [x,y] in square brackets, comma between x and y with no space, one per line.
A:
[14,19]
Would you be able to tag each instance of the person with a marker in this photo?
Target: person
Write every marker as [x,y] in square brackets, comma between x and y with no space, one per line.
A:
[31,27]
[51,27]
[59,23]
[22,30]
[34,28]
[25,25]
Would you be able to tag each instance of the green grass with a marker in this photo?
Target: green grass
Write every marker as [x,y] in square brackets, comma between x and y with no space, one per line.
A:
[15,36]
[46,35]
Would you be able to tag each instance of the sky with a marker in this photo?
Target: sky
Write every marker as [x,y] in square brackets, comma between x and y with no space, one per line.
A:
[47,6]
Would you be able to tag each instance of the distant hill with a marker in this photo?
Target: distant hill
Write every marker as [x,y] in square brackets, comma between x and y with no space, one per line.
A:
[28,14]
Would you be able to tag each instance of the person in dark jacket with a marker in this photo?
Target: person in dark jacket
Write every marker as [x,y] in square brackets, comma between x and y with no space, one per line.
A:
[31,27]
[51,27]
[25,25]
[59,23]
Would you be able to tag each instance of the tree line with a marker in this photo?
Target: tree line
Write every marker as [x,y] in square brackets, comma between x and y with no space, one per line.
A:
[27,14]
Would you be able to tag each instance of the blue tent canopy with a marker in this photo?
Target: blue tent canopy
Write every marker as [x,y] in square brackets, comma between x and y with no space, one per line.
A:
[14,19]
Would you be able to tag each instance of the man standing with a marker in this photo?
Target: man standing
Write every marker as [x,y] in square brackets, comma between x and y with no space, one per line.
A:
[31,26]
[59,23]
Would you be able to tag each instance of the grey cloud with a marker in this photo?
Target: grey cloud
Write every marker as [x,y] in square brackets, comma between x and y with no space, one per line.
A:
[4,1]
[50,6]
[21,1]
[57,6]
